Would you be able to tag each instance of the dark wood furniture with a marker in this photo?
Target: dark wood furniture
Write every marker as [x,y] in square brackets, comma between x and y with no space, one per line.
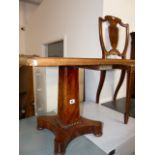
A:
[113,32]
[26,94]
[33,142]
[132,56]
[68,123]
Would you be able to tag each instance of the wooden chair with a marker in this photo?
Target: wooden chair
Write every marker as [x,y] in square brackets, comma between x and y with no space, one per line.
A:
[113,32]
[132,56]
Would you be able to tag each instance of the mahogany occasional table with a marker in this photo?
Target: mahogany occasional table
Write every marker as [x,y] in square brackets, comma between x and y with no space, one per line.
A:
[68,124]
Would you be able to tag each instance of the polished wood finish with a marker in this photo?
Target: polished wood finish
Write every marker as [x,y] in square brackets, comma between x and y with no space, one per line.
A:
[122,76]
[88,63]
[102,79]
[79,62]
[113,37]
[68,124]
[132,57]
[26,94]
[69,88]
[129,88]
[65,134]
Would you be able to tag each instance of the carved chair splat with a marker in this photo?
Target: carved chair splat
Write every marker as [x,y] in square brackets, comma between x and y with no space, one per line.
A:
[113,33]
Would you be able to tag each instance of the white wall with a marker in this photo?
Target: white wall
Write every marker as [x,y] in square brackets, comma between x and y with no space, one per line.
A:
[123,9]
[21,33]
[25,11]
[74,21]
[69,19]
[77,23]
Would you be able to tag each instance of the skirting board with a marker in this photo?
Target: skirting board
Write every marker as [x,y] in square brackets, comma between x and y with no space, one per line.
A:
[118,138]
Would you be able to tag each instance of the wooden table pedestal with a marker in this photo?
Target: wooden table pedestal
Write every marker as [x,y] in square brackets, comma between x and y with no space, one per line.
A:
[68,124]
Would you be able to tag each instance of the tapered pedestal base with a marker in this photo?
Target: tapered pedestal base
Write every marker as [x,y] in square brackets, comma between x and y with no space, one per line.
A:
[65,133]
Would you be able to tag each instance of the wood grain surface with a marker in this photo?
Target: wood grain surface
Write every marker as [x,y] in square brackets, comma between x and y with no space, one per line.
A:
[51,62]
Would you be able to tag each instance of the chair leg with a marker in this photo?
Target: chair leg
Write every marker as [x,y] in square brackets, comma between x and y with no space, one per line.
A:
[119,84]
[130,81]
[100,85]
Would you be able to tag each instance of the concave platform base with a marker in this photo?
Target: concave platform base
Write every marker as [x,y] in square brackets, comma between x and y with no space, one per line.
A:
[65,133]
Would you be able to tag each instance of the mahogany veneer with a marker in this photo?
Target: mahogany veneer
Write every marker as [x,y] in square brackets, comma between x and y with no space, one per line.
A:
[68,123]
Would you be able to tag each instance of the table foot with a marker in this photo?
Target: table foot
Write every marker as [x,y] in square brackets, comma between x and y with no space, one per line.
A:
[98,135]
[59,154]
[66,133]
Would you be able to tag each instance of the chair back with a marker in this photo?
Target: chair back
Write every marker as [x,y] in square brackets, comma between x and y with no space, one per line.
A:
[113,32]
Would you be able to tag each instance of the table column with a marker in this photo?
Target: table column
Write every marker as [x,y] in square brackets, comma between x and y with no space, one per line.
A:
[68,96]
[68,124]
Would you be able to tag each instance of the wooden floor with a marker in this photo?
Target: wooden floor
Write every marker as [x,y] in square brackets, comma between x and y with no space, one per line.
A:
[120,106]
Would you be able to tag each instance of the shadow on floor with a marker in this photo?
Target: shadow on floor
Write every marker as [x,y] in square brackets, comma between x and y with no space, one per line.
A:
[120,106]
